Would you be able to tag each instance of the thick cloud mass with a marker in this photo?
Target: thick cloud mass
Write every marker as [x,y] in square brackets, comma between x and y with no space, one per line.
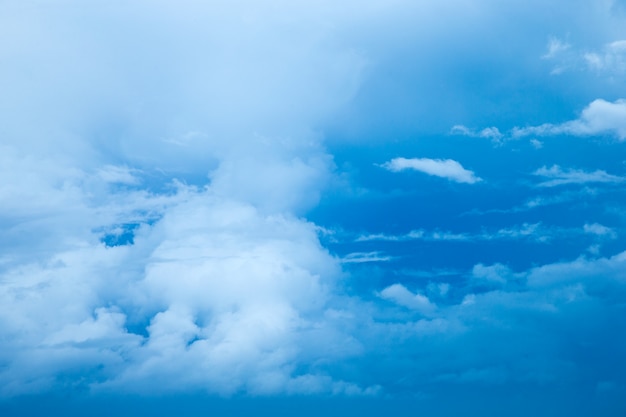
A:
[161,165]
[231,296]
[114,271]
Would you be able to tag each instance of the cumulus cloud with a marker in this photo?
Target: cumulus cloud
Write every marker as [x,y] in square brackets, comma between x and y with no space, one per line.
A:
[193,130]
[443,168]
[153,172]
[600,117]
[400,295]
[556,176]
[495,273]
[231,295]
[596,277]
[528,322]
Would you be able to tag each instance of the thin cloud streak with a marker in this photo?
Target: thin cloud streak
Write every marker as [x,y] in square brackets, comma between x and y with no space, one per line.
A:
[557,176]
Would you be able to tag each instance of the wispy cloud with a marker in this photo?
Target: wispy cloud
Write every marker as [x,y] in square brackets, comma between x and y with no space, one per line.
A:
[611,58]
[555,47]
[608,59]
[556,176]
[119,175]
[443,168]
[492,133]
[534,231]
[363,257]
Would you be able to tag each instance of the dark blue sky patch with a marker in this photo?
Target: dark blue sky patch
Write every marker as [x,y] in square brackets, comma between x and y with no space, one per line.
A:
[120,235]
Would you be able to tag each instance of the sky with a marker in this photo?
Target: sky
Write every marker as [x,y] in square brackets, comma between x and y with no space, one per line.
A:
[313,207]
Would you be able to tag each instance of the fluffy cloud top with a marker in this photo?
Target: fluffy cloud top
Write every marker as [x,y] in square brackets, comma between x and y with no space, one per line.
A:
[443,168]
[600,117]
[400,295]
[153,165]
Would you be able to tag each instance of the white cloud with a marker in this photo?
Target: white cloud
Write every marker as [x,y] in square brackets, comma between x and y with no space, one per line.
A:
[492,133]
[556,176]
[232,296]
[198,123]
[118,175]
[599,230]
[495,273]
[608,60]
[532,231]
[106,123]
[600,117]
[593,276]
[400,295]
[612,58]
[413,234]
[561,53]
[444,168]
[362,257]
[555,47]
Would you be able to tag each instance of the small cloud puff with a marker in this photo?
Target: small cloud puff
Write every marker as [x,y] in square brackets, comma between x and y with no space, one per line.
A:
[444,168]
[599,230]
[492,132]
[400,295]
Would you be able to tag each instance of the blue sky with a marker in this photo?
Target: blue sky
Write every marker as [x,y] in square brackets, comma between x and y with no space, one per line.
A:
[315,208]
